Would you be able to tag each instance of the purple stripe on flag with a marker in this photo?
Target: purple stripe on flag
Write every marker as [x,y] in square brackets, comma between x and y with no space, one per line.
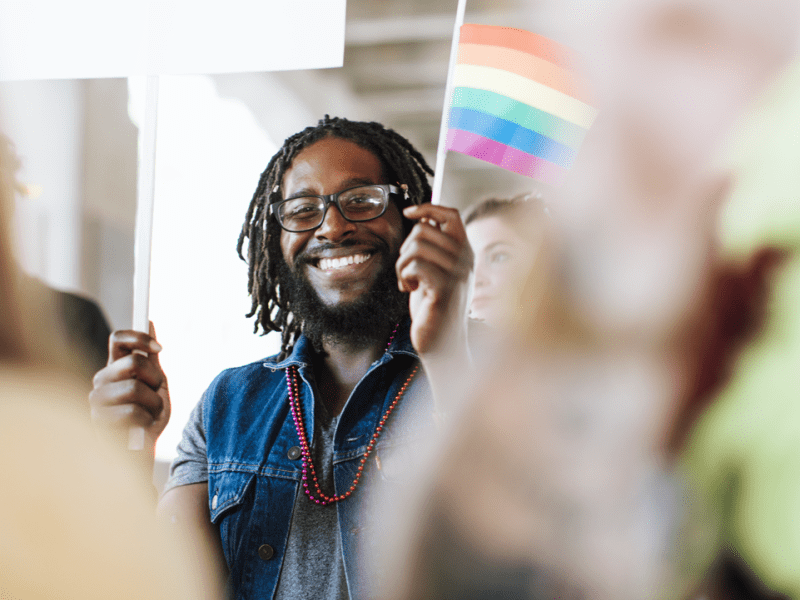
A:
[504,156]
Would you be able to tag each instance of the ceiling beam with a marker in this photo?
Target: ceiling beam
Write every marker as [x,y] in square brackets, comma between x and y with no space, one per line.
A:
[418,28]
[396,102]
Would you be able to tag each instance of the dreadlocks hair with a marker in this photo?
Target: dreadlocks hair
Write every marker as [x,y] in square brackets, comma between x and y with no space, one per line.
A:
[402,164]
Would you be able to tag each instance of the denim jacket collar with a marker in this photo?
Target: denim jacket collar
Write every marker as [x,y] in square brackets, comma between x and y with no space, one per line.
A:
[302,351]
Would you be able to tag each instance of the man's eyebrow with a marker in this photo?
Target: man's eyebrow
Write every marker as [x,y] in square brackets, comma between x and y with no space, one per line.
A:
[355,181]
[302,192]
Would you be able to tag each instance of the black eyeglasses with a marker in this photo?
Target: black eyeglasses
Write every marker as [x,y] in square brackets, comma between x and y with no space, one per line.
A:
[362,203]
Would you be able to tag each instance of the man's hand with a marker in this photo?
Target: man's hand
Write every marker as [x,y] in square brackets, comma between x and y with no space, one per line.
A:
[131,391]
[434,266]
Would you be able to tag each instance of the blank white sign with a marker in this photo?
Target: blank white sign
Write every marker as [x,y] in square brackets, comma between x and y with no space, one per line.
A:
[58,39]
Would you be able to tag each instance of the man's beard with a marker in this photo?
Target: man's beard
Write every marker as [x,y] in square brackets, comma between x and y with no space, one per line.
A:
[364,321]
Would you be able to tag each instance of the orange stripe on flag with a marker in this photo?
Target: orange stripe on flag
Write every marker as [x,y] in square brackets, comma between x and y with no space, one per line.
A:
[519,39]
[524,64]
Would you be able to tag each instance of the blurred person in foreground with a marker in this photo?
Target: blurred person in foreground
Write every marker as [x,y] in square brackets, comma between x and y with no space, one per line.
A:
[365,280]
[76,518]
[560,477]
[746,448]
[504,234]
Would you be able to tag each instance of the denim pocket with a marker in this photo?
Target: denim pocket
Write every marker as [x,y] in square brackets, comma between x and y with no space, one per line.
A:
[227,491]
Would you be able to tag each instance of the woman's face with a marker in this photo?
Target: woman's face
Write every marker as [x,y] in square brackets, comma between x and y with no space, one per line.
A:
[502,260]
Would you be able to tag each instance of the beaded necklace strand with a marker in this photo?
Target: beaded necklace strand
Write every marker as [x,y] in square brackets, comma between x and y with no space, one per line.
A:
[308,466]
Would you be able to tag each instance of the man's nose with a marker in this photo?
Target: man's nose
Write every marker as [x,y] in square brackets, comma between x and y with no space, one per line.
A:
[334,226]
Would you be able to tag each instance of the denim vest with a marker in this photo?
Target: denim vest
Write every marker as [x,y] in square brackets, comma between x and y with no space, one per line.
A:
[254,470]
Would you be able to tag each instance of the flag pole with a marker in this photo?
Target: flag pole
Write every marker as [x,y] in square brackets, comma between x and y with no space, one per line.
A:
[145,191]
[441,150]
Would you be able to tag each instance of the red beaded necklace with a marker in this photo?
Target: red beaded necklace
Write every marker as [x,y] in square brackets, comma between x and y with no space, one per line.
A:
[308,466]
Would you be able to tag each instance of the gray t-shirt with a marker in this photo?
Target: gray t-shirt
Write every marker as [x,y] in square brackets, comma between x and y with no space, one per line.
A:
[313,566]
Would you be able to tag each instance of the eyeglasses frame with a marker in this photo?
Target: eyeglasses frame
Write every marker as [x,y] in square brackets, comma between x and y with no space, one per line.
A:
[328,199]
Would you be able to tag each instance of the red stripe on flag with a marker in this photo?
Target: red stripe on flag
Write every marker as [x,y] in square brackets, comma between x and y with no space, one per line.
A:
[519,39]
[504,156]
[526,65]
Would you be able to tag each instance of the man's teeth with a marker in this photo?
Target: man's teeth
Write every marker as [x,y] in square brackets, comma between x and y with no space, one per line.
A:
[327,264]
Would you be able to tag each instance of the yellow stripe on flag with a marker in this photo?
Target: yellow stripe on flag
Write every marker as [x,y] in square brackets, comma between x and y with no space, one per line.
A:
[525,90]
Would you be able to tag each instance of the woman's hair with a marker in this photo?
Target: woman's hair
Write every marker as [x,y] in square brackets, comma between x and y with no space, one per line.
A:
[529,204]
[31,334]
[13,347]
[402,164]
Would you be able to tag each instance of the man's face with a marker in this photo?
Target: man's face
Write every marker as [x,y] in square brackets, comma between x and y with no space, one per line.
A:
[340,260]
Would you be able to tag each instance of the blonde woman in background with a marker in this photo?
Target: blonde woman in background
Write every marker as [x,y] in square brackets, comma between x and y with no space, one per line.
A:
[505,235]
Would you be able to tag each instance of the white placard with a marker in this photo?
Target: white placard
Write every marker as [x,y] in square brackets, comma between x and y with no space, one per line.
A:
[57,39]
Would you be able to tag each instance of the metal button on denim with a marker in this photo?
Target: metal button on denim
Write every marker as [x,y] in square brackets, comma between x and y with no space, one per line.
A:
[294,453]
[265,552]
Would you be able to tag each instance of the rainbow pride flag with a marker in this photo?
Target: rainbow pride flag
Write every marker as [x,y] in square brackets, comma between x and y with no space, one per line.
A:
[517,102]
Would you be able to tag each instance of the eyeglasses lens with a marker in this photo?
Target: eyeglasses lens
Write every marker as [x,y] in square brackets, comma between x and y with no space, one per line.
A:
[357,204]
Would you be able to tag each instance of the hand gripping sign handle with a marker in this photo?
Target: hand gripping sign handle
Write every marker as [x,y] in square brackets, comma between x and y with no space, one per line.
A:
[145,190]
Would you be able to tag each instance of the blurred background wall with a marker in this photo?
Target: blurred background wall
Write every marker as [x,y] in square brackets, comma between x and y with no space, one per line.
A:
[75,218]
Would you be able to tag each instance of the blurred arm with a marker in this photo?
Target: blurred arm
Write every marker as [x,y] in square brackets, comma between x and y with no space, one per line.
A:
[185,508]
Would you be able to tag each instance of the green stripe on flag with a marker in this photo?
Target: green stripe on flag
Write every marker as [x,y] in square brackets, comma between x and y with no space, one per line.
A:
[520,113]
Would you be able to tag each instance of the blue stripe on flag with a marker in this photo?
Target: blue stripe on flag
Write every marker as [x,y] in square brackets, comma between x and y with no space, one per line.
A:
[511,134]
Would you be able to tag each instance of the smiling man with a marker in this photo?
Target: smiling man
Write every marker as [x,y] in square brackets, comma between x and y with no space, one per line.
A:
[365,280]
[339,274]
